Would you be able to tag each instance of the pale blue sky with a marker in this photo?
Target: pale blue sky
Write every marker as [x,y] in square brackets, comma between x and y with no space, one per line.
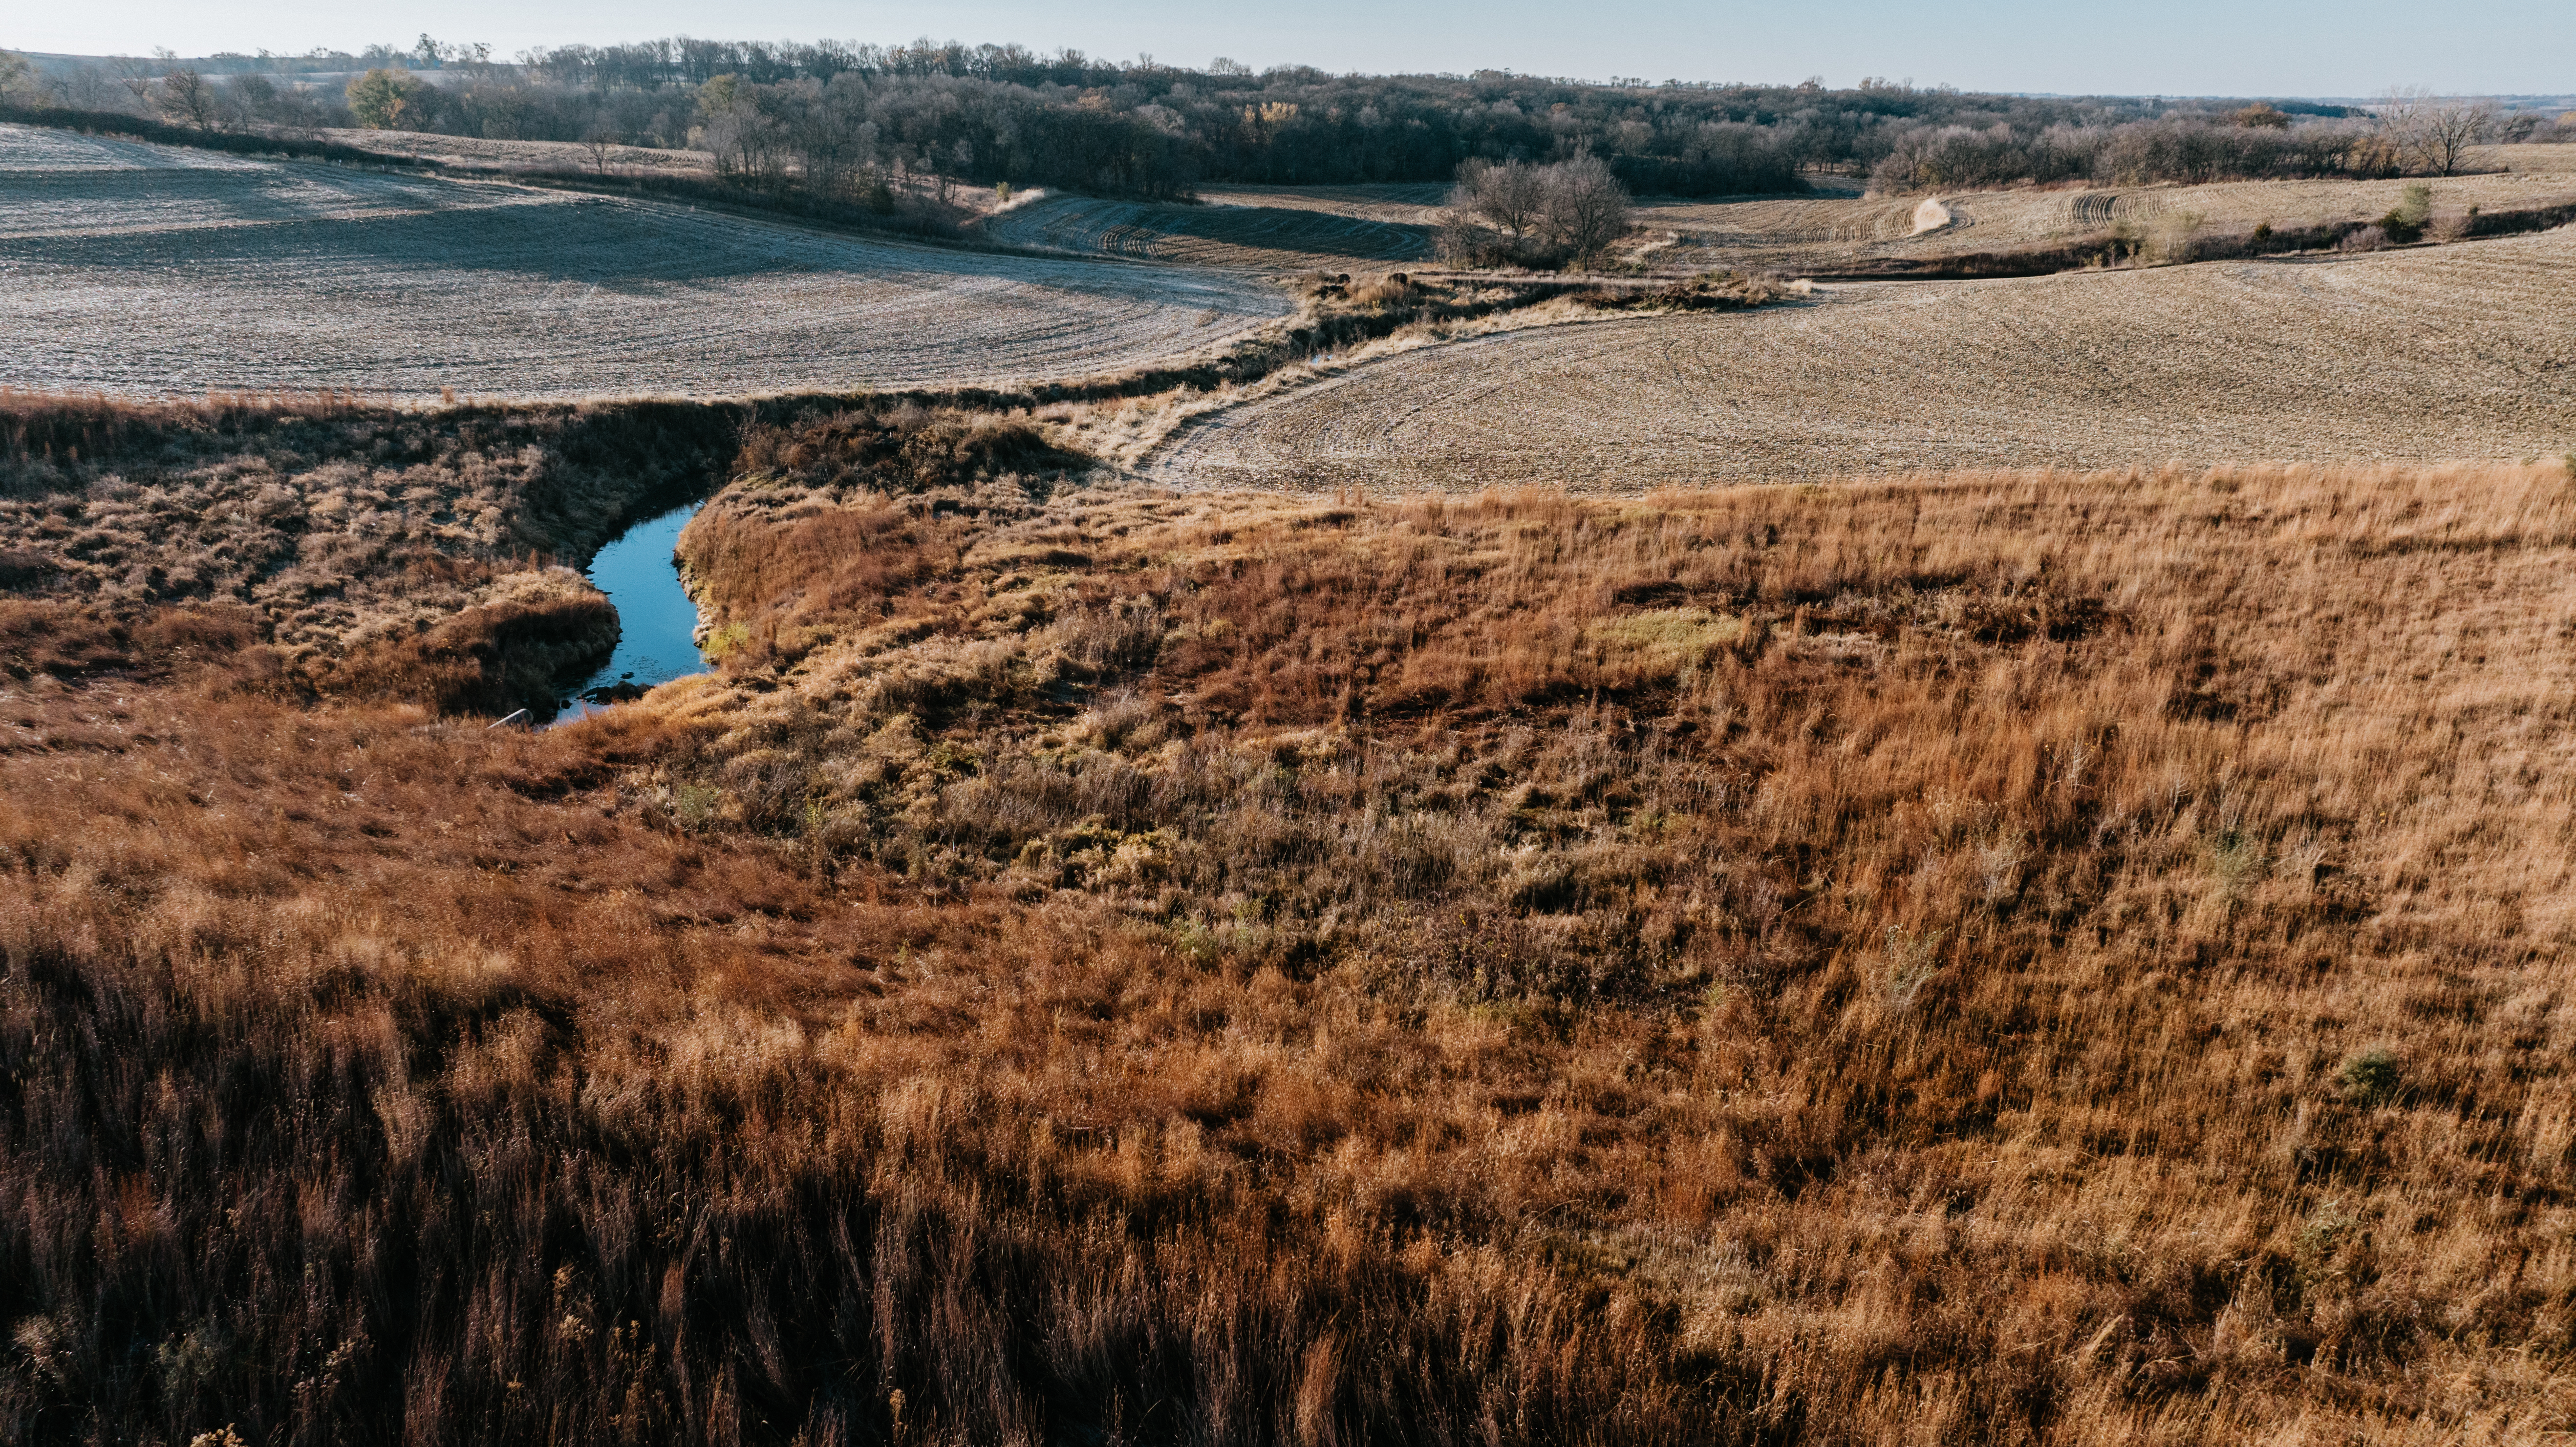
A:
[2183,47]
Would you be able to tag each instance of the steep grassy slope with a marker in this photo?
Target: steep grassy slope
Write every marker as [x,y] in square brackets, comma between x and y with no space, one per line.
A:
[1292,228]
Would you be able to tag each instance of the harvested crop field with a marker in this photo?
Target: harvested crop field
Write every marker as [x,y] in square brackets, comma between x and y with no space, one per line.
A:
[477,153]
[147,270]
[1819,233]
[1284,228]
[2465,351]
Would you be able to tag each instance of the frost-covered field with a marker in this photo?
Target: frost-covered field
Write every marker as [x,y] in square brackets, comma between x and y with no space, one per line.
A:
[143,269]
[1268,228]
[2464,351]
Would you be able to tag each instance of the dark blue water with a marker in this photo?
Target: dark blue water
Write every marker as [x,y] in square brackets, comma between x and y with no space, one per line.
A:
[655,618]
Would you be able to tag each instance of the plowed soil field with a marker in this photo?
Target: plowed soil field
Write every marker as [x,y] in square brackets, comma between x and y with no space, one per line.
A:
[2465,351]
[1262,228]
[142,269]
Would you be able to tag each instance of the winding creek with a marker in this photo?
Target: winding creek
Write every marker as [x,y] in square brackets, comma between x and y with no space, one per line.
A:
[656,620]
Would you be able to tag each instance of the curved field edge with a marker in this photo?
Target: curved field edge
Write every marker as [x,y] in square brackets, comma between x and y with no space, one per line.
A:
[263,275]
[2459,350]
[2035,231]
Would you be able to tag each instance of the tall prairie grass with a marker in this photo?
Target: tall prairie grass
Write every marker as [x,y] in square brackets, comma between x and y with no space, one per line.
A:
[2015,957]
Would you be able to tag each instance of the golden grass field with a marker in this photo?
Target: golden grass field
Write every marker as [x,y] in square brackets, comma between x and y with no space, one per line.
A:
[2008,957]
[2462,351]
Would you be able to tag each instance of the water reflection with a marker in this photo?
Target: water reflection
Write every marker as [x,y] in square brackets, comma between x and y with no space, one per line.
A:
[655,618]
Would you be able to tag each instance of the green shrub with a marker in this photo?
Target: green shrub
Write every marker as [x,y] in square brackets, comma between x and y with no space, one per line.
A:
[2371,1075]
[2414,211]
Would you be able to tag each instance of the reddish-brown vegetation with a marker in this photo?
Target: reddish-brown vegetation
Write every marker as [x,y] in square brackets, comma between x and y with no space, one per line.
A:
[2005,958]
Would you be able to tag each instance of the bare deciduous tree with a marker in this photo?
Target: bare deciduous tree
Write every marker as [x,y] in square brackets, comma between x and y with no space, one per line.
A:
[137,76]
[1545,214]
[1586,207]
[2434,133]
[17,76]
[250,98]
[185,97]
[86,88]
[1509,196]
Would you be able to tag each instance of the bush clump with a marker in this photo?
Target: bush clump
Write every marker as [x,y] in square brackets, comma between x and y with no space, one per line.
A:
[2372,1075]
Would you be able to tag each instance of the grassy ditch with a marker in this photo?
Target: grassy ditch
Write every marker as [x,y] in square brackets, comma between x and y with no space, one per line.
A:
[359,538]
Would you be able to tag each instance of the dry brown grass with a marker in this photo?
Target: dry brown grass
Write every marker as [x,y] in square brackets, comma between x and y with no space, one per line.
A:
[2024,869]
[2005,957]
[366,545]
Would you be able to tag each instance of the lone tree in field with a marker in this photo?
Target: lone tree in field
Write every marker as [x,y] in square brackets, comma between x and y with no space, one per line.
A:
[1586,208]
[1535,215]
[383,100]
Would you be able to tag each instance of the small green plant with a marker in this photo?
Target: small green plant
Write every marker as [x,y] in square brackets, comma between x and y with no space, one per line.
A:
[694,805]
[2371,1075]
[2413,212]
[2237,858]
[725,641]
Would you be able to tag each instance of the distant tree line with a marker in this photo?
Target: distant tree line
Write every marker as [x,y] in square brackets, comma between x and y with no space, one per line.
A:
[836,115]
[2408,133]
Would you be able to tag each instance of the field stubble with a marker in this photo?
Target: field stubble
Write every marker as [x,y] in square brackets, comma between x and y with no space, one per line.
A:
[150,271]
[1827,232]
[2458,351]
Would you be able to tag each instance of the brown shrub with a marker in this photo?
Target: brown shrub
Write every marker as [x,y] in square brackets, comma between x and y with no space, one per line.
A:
[905,448]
